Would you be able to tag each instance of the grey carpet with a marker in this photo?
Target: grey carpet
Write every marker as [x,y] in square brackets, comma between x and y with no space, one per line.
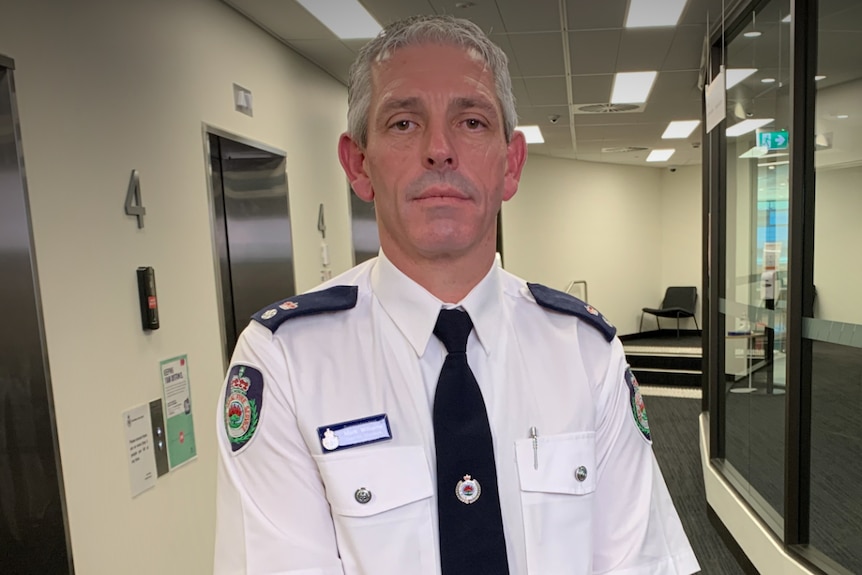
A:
[674,425]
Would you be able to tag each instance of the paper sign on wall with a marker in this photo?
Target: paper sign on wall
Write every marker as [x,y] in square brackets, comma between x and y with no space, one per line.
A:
[179,421]
[139,443]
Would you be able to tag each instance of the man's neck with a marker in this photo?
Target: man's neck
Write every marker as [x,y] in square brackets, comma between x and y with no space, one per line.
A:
[448,278]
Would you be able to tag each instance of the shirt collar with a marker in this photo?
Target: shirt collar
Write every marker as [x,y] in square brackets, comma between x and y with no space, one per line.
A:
[414,309]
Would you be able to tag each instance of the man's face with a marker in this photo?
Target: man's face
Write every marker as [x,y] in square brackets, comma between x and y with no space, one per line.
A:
[436,162]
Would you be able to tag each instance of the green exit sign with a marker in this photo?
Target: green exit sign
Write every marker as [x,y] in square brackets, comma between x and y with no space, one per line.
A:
[774,140]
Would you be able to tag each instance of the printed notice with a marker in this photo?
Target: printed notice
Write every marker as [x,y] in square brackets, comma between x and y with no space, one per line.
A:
[139,442]
[716,98]
[179,423]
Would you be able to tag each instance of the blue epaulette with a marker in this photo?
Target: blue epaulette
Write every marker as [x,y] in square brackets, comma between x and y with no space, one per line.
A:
[336,298]
[568,304]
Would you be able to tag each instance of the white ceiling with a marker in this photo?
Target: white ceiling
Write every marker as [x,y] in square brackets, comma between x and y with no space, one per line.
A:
[532,33]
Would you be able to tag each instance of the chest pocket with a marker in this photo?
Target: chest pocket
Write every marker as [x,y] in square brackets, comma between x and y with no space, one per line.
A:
[381,501]
[556,501]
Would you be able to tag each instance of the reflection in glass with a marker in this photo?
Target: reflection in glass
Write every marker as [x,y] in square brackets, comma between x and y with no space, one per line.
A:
[836,436]
[758,154]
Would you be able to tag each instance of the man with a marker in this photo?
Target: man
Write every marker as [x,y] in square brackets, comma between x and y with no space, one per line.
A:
[358,435]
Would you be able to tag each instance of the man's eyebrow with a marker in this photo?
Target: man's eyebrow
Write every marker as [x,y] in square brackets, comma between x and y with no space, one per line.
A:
[396,104]
[466,103]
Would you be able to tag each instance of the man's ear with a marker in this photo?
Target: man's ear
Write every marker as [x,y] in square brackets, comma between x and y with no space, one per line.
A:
[516,156]
[353,161]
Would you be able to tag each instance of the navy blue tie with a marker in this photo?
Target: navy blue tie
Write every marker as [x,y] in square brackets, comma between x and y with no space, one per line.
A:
[468,502]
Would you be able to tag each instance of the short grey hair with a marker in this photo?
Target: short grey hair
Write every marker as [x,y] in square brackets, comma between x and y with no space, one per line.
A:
[441,29]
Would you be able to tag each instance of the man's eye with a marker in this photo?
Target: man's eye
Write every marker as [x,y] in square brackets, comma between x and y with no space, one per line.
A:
[402,125]
[474,124]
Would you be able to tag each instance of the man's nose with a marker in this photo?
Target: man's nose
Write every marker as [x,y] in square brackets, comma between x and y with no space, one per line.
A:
[439,150]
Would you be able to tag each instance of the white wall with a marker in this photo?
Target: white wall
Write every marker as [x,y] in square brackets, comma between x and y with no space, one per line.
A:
[601,223]
[837,239]
[681,229]
[103,88]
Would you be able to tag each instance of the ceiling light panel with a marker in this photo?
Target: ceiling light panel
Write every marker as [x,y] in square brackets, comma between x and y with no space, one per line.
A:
[747,126]
[734,76]
[347,19]
[632,87]
[660,155]
[650,13]
[680,129]
[533,134]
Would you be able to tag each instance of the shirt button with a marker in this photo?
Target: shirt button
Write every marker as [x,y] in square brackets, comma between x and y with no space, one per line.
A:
[581,473]
[362,496]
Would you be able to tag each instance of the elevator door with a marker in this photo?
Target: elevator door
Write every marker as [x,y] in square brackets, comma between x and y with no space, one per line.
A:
[252,230]
[32,526]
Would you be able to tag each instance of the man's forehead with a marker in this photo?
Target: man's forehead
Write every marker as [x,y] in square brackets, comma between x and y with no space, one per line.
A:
[411,62]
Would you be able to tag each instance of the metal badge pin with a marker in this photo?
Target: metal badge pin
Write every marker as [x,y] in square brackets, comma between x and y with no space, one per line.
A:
[468,490]
[534,434]
[362,496]
[581,473]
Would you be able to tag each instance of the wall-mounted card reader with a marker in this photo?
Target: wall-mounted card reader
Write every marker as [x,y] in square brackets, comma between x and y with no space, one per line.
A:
[147,297]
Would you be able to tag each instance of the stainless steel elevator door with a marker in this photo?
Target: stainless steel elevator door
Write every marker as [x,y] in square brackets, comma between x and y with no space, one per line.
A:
[252,230]
[32,527]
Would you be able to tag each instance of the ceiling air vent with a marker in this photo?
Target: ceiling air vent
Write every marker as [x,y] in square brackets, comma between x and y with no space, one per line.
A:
[608,108]
[623,149]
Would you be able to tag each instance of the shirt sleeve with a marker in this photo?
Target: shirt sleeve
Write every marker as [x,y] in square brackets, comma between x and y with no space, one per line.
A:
[637,529]
[272,516]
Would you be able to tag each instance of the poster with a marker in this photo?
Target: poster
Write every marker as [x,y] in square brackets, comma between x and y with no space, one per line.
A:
[139,443]
[179,421]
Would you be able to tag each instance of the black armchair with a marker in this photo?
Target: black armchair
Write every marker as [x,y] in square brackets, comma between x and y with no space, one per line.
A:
[679,302]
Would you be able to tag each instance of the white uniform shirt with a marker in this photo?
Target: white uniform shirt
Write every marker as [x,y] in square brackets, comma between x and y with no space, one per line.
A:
[286,506]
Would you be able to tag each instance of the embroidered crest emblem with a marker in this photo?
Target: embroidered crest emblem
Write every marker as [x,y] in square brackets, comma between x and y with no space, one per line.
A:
[268,314]
[637,404]
[243,404]
[288,305]
[468,490]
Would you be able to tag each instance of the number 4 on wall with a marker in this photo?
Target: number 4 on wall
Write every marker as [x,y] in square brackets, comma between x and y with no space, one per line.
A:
[134,207]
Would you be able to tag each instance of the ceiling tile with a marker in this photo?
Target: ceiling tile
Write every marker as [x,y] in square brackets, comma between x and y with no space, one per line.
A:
[671,86]
[519,89]
[590,15]
[502,40]
[547,91]
[686,49]
[539,116]
[541,54]
[387,11]
[521,16]
[287,20]
[555,137]
[701,11]
[483,13]
[595,89]
[331,55]
[644,48]
[594,51]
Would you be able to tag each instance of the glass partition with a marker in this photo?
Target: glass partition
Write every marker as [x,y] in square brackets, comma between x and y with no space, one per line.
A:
[836,326]
[757,137]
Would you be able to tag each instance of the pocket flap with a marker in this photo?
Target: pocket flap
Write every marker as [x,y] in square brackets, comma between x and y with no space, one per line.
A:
[365,482]
[566,463]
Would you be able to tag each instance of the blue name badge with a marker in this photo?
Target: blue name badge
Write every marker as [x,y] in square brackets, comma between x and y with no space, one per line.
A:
[354,433]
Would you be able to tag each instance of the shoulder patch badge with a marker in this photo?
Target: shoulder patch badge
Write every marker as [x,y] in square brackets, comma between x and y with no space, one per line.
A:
[336,298]
[243,404]
[637,404]
[564,303]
